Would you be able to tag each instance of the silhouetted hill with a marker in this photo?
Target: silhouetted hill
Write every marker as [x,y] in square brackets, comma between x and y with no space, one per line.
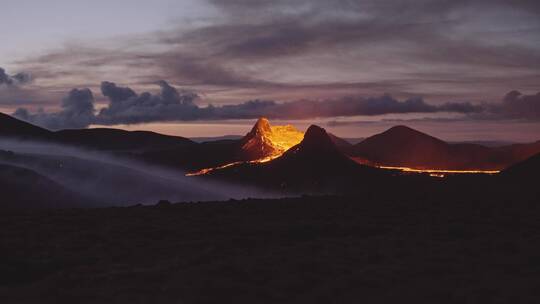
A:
[402,146]
[485,143]
[342,144]
[526,171]
[15,128]
[515,153]
[120,140]
[100,138]
[317,146]
[216,138]
[154,148]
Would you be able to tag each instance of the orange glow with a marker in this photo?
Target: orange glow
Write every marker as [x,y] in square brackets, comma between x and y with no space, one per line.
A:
[208,170]
[279,138]
[284,137]
[273,140]
[256,161]
[439,172]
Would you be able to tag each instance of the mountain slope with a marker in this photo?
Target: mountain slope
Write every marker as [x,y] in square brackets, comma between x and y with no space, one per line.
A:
[100,138]
[527,170]
[120,140]
[520,181]
[342,144]
[15,128]
[402,146]
[318,149]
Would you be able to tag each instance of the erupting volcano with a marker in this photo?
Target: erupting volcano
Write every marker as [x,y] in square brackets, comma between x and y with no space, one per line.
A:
[265,142]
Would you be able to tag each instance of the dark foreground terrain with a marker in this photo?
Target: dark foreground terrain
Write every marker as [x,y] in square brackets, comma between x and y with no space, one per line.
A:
[304,250]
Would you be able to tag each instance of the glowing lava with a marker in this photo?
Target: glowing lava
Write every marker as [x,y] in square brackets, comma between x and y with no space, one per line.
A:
[265,141]
[431,172]
[262,144]
[439,172]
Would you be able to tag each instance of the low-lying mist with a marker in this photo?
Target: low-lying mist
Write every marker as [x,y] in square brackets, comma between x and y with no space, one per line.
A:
[113,180]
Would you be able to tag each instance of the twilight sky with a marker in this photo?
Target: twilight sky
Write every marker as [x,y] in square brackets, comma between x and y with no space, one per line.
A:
[461,70]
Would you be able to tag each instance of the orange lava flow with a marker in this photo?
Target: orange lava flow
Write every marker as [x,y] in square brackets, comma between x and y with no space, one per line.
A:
[208,170]
[282,138]
[256,161]
[439,172]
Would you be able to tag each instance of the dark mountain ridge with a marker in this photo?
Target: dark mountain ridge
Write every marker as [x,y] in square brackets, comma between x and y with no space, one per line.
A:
[12,127]
[526,171]
[106,139]
[399,146]
[120,140]
[314,165]
[402,146]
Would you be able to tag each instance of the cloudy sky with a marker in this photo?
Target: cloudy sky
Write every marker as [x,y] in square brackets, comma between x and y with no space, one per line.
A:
[461,70]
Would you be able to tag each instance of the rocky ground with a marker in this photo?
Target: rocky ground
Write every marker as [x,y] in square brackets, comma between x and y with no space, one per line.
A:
[303,250]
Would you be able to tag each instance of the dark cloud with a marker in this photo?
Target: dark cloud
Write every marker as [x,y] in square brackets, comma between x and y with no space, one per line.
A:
[77,112]
[128,107]
[346,106]
[13,80]
[426,27]
[116,94]
[518,105]
[437,7]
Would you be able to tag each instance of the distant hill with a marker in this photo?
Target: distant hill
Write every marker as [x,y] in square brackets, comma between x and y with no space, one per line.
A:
[402,146]
[120,140]
[526,171]
[104,139]
[520,181]
[342,144]
[353,140]
[15,128]
[216,138]
[485,143]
